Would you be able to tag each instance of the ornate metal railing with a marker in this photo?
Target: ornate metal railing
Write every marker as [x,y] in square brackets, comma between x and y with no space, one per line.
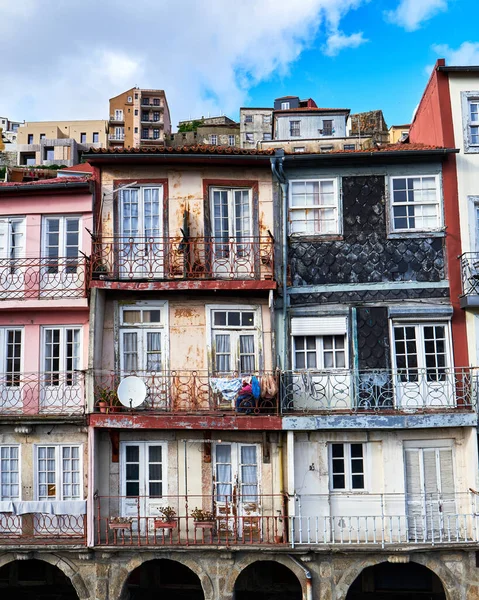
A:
[194,392]
[43,278]
[226,520]
[42,529]
[131,258]
[413,389]
[470,273]
[55,393]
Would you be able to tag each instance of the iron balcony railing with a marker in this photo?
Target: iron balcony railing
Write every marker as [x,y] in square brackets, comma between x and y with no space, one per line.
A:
[194,392]
[42,529]
[116,137]
[46,393]
[336,519]
[227,520]
[117,118]
[198,258]
[470,273]
[43,278]
[379,390]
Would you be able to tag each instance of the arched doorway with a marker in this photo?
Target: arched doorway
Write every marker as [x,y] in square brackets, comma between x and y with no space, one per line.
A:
[388,581]
[34,579]
[267,580]
[165,579]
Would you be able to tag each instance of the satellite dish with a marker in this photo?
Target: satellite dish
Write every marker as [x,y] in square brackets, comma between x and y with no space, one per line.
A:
[131,391]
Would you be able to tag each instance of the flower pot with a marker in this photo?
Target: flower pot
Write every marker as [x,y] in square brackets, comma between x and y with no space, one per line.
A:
[102,406]
[160,524]
[115,409]
[204,524]
[278,539]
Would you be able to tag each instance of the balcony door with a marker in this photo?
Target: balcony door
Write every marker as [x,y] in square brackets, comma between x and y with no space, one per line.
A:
[237,489]
[430,500]
[12,251]
[424,376]
[62,386]
[62,275]
[143,485]
[11,395]
[233,249]
[141,250]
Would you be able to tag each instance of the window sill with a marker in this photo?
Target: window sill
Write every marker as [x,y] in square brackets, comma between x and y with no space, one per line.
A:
[316,237]
[392,235]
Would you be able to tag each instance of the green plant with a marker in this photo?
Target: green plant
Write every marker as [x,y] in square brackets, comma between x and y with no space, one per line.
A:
[199,514]
[107,395]
[121,520]
[168,513]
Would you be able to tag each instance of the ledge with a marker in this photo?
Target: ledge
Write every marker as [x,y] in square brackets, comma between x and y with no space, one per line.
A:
[217,422]
[199,285]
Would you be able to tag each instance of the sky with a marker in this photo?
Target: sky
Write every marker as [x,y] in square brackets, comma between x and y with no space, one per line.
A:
[63,59]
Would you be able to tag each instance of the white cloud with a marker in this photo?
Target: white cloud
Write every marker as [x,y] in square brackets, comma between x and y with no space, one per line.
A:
[338,41]
[466,54]
[411,14]
[66,60]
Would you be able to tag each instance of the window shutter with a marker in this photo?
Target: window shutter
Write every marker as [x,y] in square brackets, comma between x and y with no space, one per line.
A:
[431,483]
[3,238]
[413,477]
[319,325]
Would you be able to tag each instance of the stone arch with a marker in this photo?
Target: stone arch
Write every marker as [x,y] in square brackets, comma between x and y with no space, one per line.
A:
[433,564]
[246,561]
[66,567]
[118,588]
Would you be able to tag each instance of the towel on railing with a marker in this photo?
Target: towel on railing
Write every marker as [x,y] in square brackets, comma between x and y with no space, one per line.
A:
[228,388]
[70,507]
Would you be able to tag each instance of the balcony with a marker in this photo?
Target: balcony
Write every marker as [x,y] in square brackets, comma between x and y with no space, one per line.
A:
[340,520]
[41,529]
[192,392]
[470,280]
[387,391]
[116,137]
[43,278]
[117,119]
[46,394]
[233,521]
[122,258]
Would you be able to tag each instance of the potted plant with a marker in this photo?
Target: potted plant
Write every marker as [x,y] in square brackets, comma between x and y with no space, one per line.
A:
[107,400]
[167,519]
[120,522]
[203,518]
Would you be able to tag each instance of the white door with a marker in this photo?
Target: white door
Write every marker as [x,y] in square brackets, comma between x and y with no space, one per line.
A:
[143,482]
[62,274]
[424,376]
[141,251]
[233,248]
[430,502]
[62,387]
[12,387]
[237,489]
[12,261]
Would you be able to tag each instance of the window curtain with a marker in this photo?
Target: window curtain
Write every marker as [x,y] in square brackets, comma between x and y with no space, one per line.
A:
[130,351]
[223,473]
[247,362]
[249,474]
[223,353]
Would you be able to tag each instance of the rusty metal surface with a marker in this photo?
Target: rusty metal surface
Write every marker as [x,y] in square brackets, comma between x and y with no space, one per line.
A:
[129,420]
[42,529]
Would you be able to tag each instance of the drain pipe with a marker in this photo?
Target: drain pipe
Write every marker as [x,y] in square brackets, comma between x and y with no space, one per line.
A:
[309,577]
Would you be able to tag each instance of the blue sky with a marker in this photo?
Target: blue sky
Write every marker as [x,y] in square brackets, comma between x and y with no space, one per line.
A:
[65,60]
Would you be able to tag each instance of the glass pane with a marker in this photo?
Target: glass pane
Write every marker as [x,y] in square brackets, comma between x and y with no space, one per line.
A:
[337,450]
[223,454]
[356,450]
[358,482]
[338,482]
[155,453]
[133,471]
[132,316]
[234,319]
[132,453]
[132,489]
[155,472]
[219,318]
[156,488]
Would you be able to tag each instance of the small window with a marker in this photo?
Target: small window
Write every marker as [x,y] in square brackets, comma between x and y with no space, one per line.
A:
[285,105]
[156,134]
[248,118]
[144,134]
[136,96]
[82,138]
[213,139]
[249,137]
[349,147]
[141,315]
[145,116]
[231,140]
[49,154]
[415,203]
[474,122]
[129,99]
[314,207]
[235,344]
[96,137]
[58,473]
[328,128]
[156,116]
[42,136]
[347,466]
[266,137]
[299,149]
[145,101]
[326,148]
[10,472]
[136,112]
[295,128]
[30,138]
[319,352]
[266,119]
[156,102]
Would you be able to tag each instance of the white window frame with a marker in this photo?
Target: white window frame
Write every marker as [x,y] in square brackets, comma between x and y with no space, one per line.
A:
[63,342]
[348,474]
[299,149]
[249,138]
[320,352]
[285,105]
[6,247]
[144,445]
[266,119]
[248,118]
[231,140]
[297,125]
[421,355]
[336,206]
[437,202]
[213,139]
[118,114]
[59,473]
[255,329]
[4,355]
[142,329]
[62,235]
[19,483]
[267,137]
[468,98]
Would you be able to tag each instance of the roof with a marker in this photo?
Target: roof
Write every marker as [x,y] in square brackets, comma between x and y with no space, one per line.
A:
[400,126]
[66,182]
[386,150]
[195,149]
[312,109]
[463,69]
[81,168]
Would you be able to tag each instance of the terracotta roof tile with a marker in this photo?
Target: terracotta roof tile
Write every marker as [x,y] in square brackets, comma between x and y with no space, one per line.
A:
[312,109]
[52,181]
[81,168]
[377,149]
[196,149]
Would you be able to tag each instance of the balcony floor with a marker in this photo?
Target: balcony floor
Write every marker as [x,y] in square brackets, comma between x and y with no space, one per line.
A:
[200,285]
